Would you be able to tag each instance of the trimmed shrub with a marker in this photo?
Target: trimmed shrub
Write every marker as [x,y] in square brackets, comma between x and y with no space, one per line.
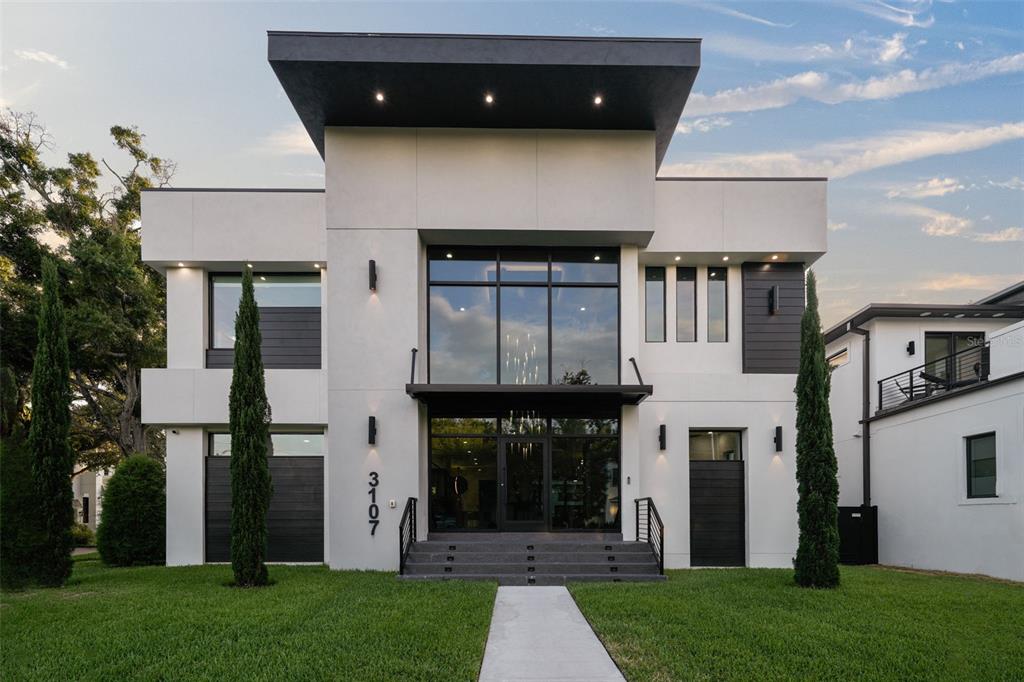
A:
[132,529]
[83,535]
[21,534]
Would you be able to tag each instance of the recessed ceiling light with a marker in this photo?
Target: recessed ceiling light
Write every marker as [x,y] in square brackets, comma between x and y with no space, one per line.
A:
[598,100]
[925,314]
[958,315]
[248,265]
[998,315]
[316,265]
[181,265]
[977,315]
[379,96]
[597,258]
[448,255]
[262,278]
[713,274]
[711,433]
[583,308]
[305,440]
[775,257]
[725,258]
[679,258]
[489,98]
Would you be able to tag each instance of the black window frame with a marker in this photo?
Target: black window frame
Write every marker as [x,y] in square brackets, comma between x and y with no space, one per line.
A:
[664,303]
[714,432]
[438,252]
[968,440]
[693,273]
[725,306]
[210,276]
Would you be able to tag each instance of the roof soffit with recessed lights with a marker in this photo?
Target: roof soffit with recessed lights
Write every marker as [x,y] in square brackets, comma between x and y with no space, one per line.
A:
[534,82]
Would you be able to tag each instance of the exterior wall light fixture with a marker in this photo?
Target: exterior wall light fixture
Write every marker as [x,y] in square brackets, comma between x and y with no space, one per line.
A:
[778,439]
[774,302]
[662,437]
[371,435]
[373,275]
[911,347]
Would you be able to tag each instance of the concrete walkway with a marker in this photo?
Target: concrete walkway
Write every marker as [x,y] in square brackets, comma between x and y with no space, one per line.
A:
[538,633]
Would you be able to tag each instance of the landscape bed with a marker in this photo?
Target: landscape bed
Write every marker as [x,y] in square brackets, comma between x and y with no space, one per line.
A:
[755,624]
[184,623]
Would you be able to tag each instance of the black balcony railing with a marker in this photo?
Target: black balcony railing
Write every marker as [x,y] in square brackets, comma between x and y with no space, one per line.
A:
[963,368]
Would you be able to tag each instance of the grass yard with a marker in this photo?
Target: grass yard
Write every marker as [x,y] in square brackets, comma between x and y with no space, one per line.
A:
[743,624]
[183,623]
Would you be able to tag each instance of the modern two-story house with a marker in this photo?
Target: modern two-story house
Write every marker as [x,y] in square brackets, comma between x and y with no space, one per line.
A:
[496,319]
[928,419]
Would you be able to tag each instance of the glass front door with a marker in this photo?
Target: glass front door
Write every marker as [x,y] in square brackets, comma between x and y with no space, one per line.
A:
[523,484]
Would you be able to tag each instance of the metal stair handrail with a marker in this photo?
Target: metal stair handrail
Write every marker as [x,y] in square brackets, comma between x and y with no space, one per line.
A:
[649,528]
[406,533]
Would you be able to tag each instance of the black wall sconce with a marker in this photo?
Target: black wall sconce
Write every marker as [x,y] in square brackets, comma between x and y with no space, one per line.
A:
[373,275]
[662,437]
[910,348]
[778,439]
[774,302]
[371,435]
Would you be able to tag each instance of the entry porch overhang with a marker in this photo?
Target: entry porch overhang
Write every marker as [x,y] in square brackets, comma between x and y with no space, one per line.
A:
[533,397]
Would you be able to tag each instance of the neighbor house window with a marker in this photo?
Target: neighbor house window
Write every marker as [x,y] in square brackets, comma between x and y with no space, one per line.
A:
[296,290]
[282,444]
[838,359]
[686,304]
[718,304]
[523,316]
[654,295]
[981,465]
[717,446]
[955,356]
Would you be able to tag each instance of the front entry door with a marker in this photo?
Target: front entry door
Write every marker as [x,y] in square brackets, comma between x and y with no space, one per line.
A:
[522,499]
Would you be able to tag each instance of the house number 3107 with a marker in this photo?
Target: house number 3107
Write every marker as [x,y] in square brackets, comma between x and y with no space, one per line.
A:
[373,511]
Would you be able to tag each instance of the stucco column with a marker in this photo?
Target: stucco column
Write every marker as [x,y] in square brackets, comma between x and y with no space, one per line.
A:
[185,503]
[629,311]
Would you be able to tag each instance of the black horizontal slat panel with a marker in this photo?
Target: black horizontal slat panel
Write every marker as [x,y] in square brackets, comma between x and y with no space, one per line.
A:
[717,514]
[295,519]
[771,343]
[291,339]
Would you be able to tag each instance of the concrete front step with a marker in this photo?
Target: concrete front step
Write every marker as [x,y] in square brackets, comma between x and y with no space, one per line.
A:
[527,568]
[439,546]
[541,579]
[563,536]
[586,557]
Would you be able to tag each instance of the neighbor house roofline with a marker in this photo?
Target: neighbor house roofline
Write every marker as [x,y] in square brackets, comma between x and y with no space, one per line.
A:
[935,311]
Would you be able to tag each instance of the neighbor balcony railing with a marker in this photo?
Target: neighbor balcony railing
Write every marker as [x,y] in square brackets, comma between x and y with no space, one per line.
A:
[953,372]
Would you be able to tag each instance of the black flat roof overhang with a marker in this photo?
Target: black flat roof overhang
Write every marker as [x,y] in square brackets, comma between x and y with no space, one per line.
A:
[441,80]
[537,397]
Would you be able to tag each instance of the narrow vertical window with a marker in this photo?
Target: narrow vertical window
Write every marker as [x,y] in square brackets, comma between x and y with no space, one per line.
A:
[85,509]
[654,294]
[686,304]
[718,304]
[981,465]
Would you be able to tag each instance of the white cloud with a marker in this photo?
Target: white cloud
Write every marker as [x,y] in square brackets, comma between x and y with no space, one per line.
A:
[959,45]
[764,51]
[845,158]
[736,14]
[40,56]
[290,140]
[934,187]
[1012,183]
[702,125]
[967,282]
[1010,234]
[834,226]
[817,86]
[913,13]
[893,48]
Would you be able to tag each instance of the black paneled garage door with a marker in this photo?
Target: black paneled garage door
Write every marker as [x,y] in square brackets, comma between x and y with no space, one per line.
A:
[295,521]
[717,536]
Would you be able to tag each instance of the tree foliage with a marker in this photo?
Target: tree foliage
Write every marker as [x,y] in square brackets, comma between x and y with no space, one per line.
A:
[20,530]
[132,530]
[249,415]
[817,556]
[115,304]
[52,458]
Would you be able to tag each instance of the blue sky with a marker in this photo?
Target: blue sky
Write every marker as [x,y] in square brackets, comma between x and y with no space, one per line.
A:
[914,109]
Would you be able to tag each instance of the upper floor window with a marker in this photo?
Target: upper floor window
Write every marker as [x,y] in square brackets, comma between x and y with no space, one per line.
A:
[654,297]
[838,359]
[686,304]
[718,304]
[294,290]
[955,356]
[523,316]
[981,465]
[718,446]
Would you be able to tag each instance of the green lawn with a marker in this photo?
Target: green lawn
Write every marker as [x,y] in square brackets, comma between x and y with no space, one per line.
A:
[183,623]
[756,625]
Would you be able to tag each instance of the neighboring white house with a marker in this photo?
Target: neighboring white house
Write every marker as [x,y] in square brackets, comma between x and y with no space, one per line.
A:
[494,306]
[87,490]
[943,441]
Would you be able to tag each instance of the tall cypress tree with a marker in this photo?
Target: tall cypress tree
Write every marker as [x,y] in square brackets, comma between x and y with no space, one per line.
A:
[250,437]
[817,556]
[52,458]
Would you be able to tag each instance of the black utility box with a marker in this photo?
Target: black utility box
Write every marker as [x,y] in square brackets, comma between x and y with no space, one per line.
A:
[858,535]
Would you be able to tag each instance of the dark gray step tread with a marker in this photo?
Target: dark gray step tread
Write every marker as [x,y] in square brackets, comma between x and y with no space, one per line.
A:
[524,569]
[567,536]
[542,579]
[442,546]
[538,557]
